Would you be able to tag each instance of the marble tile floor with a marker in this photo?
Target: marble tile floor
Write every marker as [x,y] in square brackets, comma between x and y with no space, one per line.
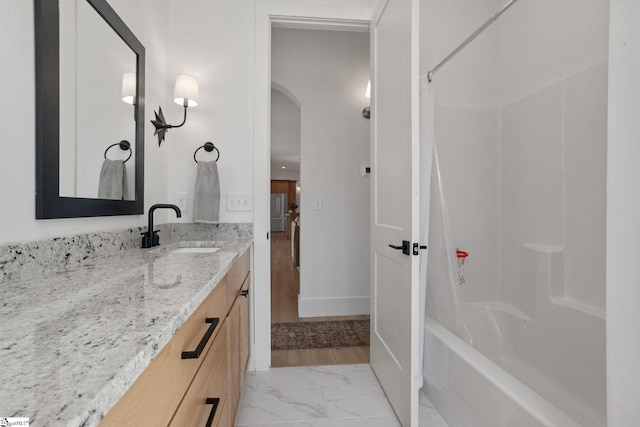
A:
[321,396]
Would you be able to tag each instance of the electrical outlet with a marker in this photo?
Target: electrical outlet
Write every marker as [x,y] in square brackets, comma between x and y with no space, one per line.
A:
[239,202]
[182,201]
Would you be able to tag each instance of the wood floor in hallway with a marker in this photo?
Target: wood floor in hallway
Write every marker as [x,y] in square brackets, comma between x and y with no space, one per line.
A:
[285,287]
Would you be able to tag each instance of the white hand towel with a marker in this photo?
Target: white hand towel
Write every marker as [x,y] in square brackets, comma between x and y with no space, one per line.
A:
[113,180]
[206,198]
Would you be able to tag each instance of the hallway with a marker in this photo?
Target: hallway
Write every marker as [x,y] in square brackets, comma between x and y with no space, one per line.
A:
[285,287]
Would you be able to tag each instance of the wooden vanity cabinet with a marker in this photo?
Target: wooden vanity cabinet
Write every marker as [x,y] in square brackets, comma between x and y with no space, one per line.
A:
[238,338]
[153,398]
[210,383]
[173,391]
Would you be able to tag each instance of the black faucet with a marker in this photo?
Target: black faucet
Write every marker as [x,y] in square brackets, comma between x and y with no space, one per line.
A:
[151,238]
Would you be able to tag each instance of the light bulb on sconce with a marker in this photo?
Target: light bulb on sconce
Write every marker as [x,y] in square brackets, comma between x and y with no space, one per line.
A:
[129,88]
[366,112]
[185,94]
[186,91]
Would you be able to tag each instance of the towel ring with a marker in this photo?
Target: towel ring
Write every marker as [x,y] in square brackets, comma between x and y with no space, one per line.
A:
[208,147]
[124,146]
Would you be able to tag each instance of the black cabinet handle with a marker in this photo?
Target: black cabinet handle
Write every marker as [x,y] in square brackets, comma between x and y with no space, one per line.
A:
[215,402]
[245,293]
[203,342]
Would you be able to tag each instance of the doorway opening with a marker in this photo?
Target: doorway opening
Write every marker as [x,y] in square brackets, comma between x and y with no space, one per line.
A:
[320,152]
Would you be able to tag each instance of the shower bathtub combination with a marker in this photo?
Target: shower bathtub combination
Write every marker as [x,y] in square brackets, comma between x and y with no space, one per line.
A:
[536,361]
[515,136]
[499,375]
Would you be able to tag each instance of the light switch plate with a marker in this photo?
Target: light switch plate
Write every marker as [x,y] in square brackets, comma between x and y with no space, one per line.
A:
[242,202]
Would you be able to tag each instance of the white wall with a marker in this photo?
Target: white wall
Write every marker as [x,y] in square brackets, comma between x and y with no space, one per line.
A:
[213,41]
[546,41]
[623,227]
[468,80]
[553,142]
[17,162]
[327,71]
[285,136]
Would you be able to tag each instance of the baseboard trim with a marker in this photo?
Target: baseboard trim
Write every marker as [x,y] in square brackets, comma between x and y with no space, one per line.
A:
[333,306]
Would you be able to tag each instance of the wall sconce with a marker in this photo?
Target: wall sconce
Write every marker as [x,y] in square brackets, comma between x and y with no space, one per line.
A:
[129,88]
[366,112]
[185,94]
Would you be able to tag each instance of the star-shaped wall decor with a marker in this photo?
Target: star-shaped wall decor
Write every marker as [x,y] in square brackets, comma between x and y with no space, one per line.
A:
[161,125]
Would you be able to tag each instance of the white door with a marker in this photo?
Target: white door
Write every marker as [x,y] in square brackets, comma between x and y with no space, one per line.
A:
[395,199]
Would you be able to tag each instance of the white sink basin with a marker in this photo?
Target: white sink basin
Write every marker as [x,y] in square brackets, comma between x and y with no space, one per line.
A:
[195,250]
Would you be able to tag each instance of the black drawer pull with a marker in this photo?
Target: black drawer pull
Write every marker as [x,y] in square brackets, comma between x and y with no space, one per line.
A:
[215,402]
[203,342]
[245,293]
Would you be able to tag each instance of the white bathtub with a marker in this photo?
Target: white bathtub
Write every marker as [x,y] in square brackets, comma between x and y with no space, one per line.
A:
[485,386]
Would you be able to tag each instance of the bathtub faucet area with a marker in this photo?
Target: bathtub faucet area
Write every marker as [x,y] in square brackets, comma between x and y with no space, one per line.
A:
[150,238]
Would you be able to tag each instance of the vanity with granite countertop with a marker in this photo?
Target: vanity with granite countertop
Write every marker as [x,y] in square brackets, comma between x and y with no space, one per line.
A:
[102,337]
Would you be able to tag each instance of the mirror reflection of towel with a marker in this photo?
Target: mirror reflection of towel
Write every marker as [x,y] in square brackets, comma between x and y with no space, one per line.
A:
[113,180]
[206,198]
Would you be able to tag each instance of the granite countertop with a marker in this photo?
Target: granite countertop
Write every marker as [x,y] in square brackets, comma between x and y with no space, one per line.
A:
[73,342]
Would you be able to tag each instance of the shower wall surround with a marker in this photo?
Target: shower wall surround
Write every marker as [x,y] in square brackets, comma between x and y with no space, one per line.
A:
[30,259]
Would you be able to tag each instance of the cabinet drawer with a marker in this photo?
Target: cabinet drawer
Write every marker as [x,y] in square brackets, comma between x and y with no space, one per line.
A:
[210,382]
[154,396]
[236,277]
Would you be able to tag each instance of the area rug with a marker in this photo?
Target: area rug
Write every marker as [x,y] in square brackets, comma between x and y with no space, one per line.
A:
[332,334]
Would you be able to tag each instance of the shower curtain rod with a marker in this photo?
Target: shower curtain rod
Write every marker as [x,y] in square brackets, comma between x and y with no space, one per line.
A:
[469,39]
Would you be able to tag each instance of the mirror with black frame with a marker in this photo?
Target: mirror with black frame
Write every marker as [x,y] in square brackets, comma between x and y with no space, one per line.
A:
[89,111]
